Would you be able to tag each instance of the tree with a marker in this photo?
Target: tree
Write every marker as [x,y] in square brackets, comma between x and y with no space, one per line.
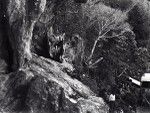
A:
[39,84]
[22,16]
[111,23]
[112,51]
[118,4]
[139,19]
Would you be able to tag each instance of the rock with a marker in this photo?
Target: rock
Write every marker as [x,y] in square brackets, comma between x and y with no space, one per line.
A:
[44,87]
[39,40]
[39,84]
[3,66]
[44,96]
[92,105]
[41,29]
[16,89]
[3,89]
[22,16]
[64,17]
[4,46]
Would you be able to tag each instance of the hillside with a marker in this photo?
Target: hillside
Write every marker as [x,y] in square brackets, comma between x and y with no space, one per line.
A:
[66,56]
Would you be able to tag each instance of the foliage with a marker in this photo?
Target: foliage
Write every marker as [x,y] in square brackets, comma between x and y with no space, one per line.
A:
[105,42]
[139,18]
[107,22]
[112,51]
[118,4]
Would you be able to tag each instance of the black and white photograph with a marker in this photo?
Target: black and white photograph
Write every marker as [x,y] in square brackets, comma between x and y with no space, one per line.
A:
[74,56]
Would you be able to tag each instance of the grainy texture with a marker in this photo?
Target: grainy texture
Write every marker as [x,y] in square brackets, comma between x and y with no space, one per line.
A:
[44,87]
[22,17]
[68,56]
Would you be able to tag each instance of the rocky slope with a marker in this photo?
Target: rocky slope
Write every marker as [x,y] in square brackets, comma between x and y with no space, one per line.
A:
[30,81]
[44,86]
[37,84]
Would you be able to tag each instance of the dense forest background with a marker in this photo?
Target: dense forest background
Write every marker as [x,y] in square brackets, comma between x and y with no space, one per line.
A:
[56,54]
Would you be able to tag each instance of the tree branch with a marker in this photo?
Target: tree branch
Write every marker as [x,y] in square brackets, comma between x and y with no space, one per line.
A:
[97,61]
[95,43]
[122,72]
[120,34]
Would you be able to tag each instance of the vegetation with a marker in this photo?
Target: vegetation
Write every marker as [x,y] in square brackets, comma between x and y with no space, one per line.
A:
[99,42]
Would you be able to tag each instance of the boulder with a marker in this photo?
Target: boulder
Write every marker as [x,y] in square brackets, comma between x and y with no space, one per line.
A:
[22,16]
[43,86]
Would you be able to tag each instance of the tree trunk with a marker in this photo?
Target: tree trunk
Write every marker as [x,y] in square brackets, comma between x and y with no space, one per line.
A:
[38,84]
[22,18]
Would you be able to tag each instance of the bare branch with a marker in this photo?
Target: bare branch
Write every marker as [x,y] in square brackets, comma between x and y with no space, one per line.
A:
[97,61]
[122,72]
[131,8]
[120,34]
[103,35]
[94,46]
[90,22]
[147,100]
[106,25]
[95,43]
